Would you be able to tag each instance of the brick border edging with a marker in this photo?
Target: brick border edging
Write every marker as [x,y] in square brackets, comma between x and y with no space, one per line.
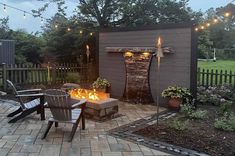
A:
[126,132]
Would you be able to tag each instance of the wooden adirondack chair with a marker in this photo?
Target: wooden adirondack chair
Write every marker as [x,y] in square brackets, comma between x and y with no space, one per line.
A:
[25,108]
[64,109]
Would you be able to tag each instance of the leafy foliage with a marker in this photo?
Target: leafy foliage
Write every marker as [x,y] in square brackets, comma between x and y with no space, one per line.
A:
[215,95]
[176,92]
[73,77]
[100,83]
[226,122]
[179,125]
[189,111]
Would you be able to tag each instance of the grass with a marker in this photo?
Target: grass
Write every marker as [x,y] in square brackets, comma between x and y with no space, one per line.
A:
[220,65]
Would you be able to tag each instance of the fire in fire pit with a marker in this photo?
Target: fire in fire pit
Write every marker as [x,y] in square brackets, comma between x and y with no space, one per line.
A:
[99,105]
[90,95]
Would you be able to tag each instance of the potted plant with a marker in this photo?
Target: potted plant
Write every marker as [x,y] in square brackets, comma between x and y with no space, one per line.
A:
[101,84]
[176,96]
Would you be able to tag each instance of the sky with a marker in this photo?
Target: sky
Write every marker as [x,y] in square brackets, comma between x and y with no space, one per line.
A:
[31,24]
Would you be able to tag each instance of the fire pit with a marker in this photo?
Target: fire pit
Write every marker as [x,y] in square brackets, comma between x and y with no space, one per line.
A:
[99,106]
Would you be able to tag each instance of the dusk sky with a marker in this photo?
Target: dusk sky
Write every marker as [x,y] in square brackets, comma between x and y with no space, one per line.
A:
[33,24]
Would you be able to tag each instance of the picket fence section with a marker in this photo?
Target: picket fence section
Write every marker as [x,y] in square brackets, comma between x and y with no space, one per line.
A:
[38,74]
[213,77]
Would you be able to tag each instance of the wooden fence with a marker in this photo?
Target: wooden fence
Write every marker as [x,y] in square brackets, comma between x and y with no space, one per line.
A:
[38,74]
[206,77]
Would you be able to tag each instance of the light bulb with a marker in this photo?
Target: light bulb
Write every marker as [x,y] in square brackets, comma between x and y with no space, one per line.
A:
[202,27]
[56,26]
[196,29]
[208,24]
[215,20]
[227,14]
[4,8]
[24,15]
[69,29]
[80,31]
[91,34]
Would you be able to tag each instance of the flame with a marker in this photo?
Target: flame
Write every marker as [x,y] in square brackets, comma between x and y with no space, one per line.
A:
[87,47]
[92,95]
[159,42]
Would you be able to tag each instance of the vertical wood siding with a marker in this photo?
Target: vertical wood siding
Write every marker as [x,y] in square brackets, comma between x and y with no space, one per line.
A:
[175,68]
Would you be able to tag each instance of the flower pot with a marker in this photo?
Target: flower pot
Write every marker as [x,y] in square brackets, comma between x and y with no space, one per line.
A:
[174,103]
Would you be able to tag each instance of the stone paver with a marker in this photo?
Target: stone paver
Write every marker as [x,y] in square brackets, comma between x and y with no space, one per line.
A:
[24,137]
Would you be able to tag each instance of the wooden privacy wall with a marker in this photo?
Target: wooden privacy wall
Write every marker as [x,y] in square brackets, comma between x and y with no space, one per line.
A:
[176,69]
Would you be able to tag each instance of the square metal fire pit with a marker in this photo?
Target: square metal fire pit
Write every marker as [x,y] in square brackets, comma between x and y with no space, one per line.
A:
[99,105]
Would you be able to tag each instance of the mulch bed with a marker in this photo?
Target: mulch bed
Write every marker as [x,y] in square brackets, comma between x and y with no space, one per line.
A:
[200,136]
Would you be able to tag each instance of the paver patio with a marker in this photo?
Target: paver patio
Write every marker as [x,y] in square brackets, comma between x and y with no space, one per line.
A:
[24,137]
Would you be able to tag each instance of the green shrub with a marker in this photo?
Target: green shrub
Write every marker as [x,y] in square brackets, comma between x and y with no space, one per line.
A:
[189,111]
[179,125]
[73,77]
[225,123]
[100,83]
[215,95]
[198,114]
[186,109]
[225,107]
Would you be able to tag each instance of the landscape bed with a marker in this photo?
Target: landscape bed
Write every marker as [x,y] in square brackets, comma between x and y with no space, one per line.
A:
[200,135]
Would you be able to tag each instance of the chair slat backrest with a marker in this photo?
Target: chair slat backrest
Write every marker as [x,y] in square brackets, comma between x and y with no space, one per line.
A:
[59,104]
[20,100]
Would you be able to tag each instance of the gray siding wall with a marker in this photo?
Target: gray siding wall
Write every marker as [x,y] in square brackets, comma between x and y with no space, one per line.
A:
[7,51]
[175,68]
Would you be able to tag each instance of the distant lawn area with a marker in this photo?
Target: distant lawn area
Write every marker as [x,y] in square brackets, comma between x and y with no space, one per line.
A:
[220,65]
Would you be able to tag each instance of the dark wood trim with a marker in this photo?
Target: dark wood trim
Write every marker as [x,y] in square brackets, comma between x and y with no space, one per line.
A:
[193,72]
[149,27]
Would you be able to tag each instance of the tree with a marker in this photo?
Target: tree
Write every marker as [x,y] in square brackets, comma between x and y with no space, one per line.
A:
[66,45]
[116,13]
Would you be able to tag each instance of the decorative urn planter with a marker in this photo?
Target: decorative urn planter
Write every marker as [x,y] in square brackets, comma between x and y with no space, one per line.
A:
[174,103]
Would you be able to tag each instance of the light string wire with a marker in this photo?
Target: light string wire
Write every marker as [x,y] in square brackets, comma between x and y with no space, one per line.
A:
[214,21]
[56,25]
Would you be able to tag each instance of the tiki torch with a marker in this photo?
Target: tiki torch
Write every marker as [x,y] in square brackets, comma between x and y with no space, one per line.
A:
[158,54]
[87,52]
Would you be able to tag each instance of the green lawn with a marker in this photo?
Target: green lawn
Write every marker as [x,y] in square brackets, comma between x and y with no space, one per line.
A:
[220,65]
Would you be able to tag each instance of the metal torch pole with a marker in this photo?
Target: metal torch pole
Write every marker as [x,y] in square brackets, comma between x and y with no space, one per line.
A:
[158,77]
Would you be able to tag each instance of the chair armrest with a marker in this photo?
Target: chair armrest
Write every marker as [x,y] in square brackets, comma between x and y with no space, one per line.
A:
[30,95]
[29,90]
[78,103]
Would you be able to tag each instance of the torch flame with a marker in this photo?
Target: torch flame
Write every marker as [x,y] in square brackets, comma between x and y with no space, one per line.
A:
[159,42]
[87,47]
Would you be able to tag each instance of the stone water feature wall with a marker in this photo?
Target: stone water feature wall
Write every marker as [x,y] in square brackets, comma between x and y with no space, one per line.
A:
[176,69]
[137,82]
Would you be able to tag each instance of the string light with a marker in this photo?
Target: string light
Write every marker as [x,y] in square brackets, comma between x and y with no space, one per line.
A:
[24,15]
[196,29]
[4,8]
[215,20]
[227,14]
[208,24]
[202,27]
[42,19]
